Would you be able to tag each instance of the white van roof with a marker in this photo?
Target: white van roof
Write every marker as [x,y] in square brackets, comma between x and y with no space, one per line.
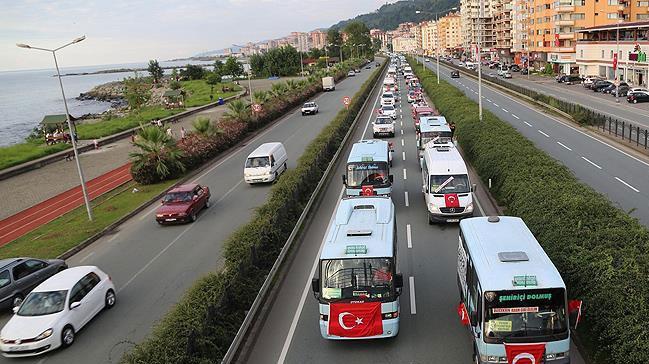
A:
[505,249]
[432,120]
[265,149]
[362,227]
[444,160]
[372,150]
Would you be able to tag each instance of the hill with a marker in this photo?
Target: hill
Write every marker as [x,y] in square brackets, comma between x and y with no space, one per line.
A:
[389,16]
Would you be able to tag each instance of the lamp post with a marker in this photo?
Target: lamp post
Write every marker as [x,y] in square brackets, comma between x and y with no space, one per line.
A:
[437,34]
[617,61]
[67,116]
[252,99]
[479,56]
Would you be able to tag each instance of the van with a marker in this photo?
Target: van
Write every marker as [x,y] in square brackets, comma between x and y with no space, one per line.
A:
[388,99]
[265,163]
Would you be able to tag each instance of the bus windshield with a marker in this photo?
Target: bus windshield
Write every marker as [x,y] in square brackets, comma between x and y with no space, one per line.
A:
[442,137]
[362,278]
[368,173]
[457,183]
[524,314]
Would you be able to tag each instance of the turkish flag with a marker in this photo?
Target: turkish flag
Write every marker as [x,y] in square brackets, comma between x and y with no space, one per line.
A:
[464,314]
[525,353]
[574,308]
[451,200]
[556,40]
[355,319]
[615,61]
[367,190]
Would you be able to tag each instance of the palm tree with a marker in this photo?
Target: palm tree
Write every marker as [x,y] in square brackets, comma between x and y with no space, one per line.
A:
[159,148]
[292,86]
[204,127]
[261,96]
[278,89]
[237,110]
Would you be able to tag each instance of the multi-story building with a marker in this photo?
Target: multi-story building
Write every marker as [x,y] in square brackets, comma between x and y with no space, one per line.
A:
[553,26]
[503,24]
[429,37]
[519,31]
[416,32]
[318,39]
[381,35]
[404,43]
[300,41]
[597,46]
[477,22]
[449,29]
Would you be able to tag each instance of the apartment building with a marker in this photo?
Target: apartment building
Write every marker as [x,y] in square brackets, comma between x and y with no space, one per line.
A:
[477,23]
[318,39]
[404,43]
[449,29]
[381,35]
[429,37]
[503,24]
[300,41]
[519,31]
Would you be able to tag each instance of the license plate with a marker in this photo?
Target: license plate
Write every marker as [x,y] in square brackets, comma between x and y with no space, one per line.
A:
[453,220]
[14,348]
[170,219]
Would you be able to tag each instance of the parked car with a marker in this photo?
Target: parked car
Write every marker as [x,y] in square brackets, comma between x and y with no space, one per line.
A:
[572,79]
[515,68]
[611,88]
[55,311]
[357,70]
[455,74]
[590,81]
[182,204]
[310,108]
[525,71]
[369,66]
[507,74]
[18,276]
[351,73]
[562,78]
[601,85]
[637,96]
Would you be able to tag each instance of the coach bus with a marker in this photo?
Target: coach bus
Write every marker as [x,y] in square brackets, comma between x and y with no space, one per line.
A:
[368,169]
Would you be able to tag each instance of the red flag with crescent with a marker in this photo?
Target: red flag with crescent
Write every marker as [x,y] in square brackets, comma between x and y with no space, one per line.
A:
[367,190]
[451,200]
[525,353]
[355,319]
[556,40]
[464,314]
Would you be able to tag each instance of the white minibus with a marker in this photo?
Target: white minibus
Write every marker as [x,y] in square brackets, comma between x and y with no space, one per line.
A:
[265,163]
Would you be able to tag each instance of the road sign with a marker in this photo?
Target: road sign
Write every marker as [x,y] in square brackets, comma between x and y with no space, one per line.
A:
[347,100]
[256,107]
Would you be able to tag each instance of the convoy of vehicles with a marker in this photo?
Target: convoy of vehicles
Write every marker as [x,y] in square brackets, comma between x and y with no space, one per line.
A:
[368,169]
[433,129]
[265,163]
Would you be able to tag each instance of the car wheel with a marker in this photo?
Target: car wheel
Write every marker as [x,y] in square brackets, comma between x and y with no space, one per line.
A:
[207,204]
[67,336]
[110,299]
[192,216]
[430,220]
[285,167]
[635,101]
[17,300]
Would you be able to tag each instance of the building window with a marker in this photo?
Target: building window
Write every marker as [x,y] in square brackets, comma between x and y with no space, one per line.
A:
[581,53]
[578,16]
[613,2]
[643,3]
[611,54]
[602,54]
[643,16]
[611,15]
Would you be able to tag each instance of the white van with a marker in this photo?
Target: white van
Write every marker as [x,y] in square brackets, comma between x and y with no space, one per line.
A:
[388,99]
[446,185]
[265,163]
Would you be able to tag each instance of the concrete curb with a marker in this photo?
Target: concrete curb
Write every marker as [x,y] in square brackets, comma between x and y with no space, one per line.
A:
[48,159]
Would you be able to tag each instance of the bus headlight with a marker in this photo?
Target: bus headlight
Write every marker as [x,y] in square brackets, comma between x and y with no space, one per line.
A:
[390,315]
[469,207]
[493,359]
[433,208]
[556,356]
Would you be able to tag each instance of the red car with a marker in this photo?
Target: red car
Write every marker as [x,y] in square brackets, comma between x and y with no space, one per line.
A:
[182,204]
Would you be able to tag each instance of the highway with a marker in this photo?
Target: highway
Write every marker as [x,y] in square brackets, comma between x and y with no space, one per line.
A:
[620,175]
[430,330]
[153,265]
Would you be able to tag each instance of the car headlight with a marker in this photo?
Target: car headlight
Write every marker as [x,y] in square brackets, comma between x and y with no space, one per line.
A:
[182,214]
[159,215]
[493,359]
[469,207]
[44,335]
[433,208]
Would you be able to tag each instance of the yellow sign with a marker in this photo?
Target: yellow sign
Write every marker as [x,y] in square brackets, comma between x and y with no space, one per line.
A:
[500,325]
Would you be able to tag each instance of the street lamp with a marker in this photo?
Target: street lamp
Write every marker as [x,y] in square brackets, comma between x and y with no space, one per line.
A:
[617,61]
[481,16]
[437,34]
[73,135]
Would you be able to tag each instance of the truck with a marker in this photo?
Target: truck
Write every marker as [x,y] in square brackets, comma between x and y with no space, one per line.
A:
[328,84]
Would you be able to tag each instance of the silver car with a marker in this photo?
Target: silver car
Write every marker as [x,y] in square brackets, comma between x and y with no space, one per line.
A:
[18,276]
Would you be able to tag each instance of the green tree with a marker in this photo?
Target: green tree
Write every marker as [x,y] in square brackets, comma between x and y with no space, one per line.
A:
[315,53]
[237,110]
[284,61]
[334,42]
[232,67]
[174,75]
[212,79]
[376,45]
[193,72]
[261,96]
[158,149]
[358,39]
[204,127]
[136,91]
[278,89]
[155,70]
[218,68]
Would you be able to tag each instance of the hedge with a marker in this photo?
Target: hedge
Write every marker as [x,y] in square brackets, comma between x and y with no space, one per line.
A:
[200,328]
[601,252]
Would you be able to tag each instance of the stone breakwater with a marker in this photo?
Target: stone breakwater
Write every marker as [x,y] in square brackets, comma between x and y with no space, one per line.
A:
[112,92]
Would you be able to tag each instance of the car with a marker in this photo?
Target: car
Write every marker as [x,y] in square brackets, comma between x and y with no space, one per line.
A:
[515,68]
[56,310]
[413,96]
[572,79]
[310,108]
[623,90]
[351,73]
[18,276]
[357,70]
[492,74]
[638,89]
[383,125]
[427,60]
[589,81]
[507,74]
[562,78]
[183,203]
[368,67]
[601,85]
[378,65]
[388,110]
[455,74]
[525,71]
[387,98]
[637,96]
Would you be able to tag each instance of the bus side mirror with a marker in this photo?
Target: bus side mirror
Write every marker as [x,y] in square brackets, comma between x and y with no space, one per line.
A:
[474,187]
[344,180]
[391,178]
[398,281]
[315,286]
[473,316]
[574,312]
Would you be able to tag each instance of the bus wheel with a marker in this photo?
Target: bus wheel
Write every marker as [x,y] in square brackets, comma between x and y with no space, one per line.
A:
[430,219]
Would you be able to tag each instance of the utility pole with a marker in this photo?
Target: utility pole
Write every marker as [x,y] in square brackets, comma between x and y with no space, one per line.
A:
[481,15]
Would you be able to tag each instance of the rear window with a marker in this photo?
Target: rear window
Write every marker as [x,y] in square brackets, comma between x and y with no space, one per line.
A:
[388,107]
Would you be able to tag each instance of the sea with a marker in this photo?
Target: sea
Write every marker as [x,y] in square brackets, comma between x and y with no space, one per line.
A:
[27,96]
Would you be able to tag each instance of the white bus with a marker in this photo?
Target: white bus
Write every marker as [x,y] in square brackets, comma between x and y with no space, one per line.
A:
[446,185]
[358,283]
[433,128]
[368,169]
[512,296]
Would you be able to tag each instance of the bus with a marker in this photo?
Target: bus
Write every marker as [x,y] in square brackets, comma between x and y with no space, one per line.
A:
[512,298]
[368,169]
[435,129]
[358,282]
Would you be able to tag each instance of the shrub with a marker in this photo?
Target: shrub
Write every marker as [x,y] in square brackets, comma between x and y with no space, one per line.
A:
[601,252]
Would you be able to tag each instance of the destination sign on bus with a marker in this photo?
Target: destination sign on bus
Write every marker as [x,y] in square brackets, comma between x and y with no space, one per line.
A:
[364,167]
[525,297]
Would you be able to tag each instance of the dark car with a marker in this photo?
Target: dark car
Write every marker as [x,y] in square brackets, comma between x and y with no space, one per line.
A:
[18,276]
[623,90]
[637,96]
[562,78]
[183,203]
[611,89]
[515,68]
[572,79]
[524,71]
[600,85]
[455,74]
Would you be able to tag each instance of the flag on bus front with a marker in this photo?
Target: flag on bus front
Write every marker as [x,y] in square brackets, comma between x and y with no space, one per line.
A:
[355,319]
[451,200]
[525,353]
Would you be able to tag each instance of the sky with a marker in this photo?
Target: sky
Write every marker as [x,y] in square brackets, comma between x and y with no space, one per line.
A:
[120,31]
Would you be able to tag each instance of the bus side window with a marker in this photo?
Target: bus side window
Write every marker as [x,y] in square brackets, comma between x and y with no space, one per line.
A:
[425,175]
[473,295]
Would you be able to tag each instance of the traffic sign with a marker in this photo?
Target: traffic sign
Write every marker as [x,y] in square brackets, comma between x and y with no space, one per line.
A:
[256,107]
[347,100]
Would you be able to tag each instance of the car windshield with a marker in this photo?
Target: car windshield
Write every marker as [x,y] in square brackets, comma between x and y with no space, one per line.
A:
[367,173]
[173,197]
[364,278]
[388,95]
[43,303]
[525,313]
[383,121]
[309,104]
[256,162]
[457,183]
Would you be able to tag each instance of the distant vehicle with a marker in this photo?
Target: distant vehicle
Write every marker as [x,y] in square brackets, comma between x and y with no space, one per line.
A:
[265,163]
[515,68]
[387,98]
[310,108]
[623,90]
[427,60]
[572,79]
[357,70]
[383,125]
[18,276]
[368,165]
[390,84]
[328,84]
[55,311]
[492,74]
[413,96]
[637,96]
[358,283]
[600,85]
[446,185]
[525,71]
[369,66]
[507,74]
[638,89]
[388,110]
[378,65]
[590,81]
[182,204]
[351,73]
[511,292]
[502,70]
[455,74]
[610,89]
[419,112]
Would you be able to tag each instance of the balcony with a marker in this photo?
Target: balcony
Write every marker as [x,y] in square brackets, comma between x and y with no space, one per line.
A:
[565,8]
[566,35]
[564,22]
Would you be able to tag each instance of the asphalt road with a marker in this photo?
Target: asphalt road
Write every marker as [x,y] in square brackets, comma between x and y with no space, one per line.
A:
[620,175]
[153,265]
[430,331]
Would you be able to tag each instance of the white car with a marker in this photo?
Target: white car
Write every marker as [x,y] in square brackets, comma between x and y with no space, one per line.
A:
[388,99]
[351,73]
[310,108]
[383,125]
[56,310]
[389,110]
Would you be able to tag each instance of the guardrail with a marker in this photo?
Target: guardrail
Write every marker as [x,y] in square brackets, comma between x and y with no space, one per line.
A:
[582,115]
[234,351]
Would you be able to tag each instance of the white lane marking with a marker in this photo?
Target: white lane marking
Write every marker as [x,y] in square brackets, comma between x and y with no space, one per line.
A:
[409,236]
[413,304]
[402,118]
[402,142]
[403,154]
[496,105]
[544,134]
[488,100]
[86,257]
[505,110]
[402,132]
[591,162]
[565,146]
[305,292]
[113,237]
[626,184]
[514,115]
[405,176]
[407,202]
[528,124]
[478,204]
